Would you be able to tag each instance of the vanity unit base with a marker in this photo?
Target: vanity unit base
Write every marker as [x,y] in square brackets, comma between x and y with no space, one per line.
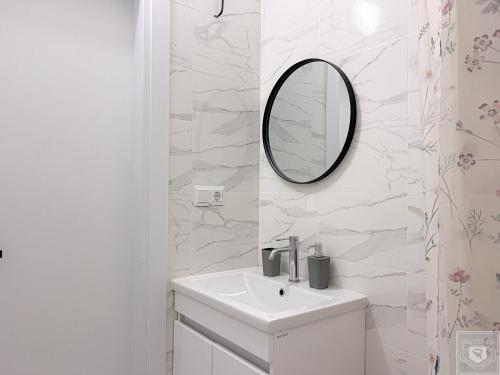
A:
[334,346]
[197,355]
[209,342]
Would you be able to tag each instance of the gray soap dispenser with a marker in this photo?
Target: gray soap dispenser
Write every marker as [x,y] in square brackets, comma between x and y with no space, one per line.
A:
[319,268]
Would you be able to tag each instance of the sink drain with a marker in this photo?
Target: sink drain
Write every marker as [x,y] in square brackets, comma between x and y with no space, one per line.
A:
[282,292]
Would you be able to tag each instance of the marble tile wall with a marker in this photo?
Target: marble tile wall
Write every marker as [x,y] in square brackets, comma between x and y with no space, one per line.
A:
[369,213]
[214,136]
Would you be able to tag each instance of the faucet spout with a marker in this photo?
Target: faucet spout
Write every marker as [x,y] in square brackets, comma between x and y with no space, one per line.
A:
[278,250]
[292,249]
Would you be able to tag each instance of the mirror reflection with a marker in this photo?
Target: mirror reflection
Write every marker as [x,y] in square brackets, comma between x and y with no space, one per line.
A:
[309,121]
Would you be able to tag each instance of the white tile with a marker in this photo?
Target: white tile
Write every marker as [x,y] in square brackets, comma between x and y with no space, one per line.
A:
[278,16]
[229,161]
[231,8]
[364,228]
[283,214]
[226,79]
[379,77]
[181,157]
[181,36]
[210,239]
[181,91]
[179,223]
[379,154]
[290,33]
[386,292]
[242,12]
[384,359]
[226,55]
[269,181]
[224,259]
[188,3]
[350,26]
[217,229]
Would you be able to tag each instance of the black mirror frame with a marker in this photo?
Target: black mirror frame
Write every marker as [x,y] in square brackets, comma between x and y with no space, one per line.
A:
[267,116]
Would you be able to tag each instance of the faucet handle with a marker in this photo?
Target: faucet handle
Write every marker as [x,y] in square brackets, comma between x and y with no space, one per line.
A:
[289,238]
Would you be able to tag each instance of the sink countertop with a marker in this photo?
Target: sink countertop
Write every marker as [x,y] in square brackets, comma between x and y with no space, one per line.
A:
[256,300]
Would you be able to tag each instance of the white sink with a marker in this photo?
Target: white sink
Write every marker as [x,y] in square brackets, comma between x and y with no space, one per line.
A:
[268,304]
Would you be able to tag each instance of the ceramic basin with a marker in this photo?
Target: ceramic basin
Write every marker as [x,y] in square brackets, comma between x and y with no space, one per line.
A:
[268,304]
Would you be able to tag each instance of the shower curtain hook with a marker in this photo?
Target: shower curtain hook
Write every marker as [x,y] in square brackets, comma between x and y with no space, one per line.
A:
[221,10]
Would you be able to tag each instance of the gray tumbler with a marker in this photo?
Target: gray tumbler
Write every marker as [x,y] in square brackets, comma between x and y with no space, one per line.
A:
[271,267]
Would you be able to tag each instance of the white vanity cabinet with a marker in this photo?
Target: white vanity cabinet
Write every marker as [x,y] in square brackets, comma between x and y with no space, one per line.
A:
[241,323]
[332,346]
[194,354]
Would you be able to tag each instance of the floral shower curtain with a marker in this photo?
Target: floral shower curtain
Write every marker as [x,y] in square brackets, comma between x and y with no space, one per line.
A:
[459,64]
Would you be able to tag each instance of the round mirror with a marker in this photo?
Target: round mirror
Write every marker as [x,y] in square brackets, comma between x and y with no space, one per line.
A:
[309,121]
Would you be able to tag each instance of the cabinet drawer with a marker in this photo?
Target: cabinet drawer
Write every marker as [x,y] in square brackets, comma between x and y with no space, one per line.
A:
[192,352]
[227,363]
[240,334]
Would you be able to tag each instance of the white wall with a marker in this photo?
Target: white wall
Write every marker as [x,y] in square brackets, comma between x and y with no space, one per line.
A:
[214,136]
[369,213]
[67,191]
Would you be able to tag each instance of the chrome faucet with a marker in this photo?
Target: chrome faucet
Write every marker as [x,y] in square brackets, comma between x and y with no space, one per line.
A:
[293,256]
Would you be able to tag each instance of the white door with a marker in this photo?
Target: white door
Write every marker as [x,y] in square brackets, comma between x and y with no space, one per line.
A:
[227,363]
[65,186]
[192,352]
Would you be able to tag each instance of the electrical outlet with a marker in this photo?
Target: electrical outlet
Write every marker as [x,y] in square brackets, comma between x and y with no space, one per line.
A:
[208,196]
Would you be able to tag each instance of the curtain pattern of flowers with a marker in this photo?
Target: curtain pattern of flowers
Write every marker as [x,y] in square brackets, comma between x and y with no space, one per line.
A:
[459,65]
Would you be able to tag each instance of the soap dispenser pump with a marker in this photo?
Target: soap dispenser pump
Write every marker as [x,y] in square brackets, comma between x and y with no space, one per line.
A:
[319,267]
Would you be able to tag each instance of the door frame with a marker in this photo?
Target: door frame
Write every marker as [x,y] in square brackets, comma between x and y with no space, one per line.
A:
[151,160]
[158,186]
